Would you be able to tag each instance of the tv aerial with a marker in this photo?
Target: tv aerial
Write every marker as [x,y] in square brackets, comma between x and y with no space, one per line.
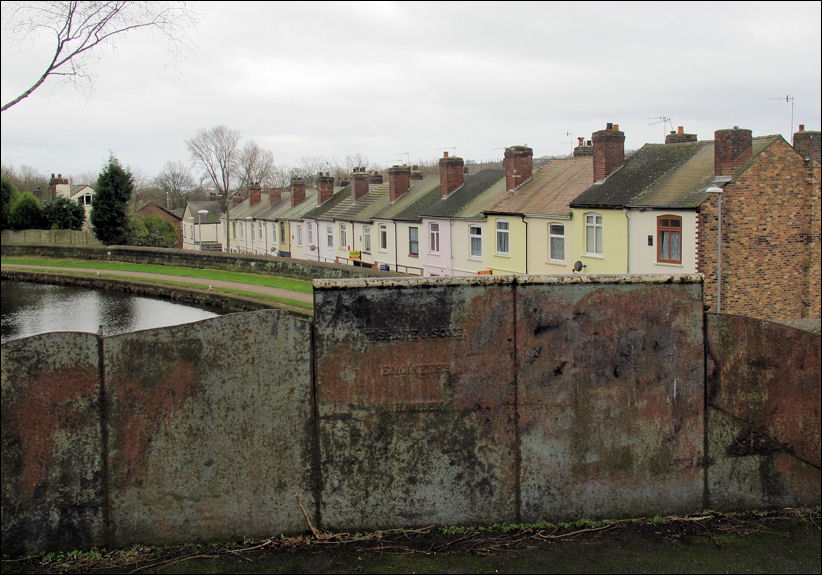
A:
[663,120]
[789,99]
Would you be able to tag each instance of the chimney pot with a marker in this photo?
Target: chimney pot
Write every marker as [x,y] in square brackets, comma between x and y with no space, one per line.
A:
[801,127]
[609,126]
[616,127]
[445,154]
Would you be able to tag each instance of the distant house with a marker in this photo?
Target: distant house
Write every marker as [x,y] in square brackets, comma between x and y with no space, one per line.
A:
[201,225]
[59,187]
[174,217]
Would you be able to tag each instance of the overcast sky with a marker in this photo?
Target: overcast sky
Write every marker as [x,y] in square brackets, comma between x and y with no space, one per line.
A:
[401,81]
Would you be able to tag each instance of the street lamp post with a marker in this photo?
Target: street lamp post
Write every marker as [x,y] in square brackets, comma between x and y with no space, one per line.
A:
[718,192]
[200,225]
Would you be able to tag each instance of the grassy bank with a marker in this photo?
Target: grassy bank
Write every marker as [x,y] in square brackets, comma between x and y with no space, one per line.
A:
[218,275]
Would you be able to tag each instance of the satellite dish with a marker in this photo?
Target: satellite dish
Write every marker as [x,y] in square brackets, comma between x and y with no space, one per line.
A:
[578,265]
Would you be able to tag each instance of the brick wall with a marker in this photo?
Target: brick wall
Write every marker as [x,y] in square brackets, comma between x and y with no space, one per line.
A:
[770,230]
[399,180]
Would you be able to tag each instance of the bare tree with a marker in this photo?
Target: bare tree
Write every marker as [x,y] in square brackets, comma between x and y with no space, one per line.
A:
[80,27]
[175,182]
[256,166]
[216,152]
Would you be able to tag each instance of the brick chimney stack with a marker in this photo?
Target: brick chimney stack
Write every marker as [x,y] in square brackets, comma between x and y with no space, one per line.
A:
[55,184]
[732,148]
[274,196]
[325,187]
[360,179]
[416,173]
[807,143]
[583,149]
[297,191]
[399,181]
[679,136]
[452,174]
[255,193]
[518,164]
[609,151]
[375,178]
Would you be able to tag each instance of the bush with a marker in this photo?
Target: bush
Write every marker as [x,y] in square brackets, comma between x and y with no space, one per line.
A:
[153,231]
[63,214]
[26,213]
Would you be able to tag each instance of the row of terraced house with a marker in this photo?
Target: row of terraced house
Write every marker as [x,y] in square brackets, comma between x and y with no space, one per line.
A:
[659,210]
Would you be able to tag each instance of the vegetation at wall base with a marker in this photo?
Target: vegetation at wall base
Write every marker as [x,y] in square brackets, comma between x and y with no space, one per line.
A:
[785,540]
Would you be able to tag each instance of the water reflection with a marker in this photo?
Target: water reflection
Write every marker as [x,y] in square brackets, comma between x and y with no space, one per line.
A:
[31,308]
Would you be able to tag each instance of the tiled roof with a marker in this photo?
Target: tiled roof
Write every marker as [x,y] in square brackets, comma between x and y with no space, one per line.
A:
[417,190]
[458,203]
[662,175]
[345,208]
[550,189]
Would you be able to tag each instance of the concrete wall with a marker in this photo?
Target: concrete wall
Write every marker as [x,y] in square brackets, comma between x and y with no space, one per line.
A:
[406,403]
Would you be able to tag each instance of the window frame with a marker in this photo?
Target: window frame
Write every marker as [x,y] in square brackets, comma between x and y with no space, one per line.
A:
[597,228]
[503,233]
[366,239]
[552,235]
[414,243]
[471,237]
[343,236]
[434,237]
[667,228]
[383,237]
[329,235]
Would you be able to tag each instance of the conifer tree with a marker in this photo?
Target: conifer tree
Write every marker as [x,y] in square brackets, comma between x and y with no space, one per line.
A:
[109,218]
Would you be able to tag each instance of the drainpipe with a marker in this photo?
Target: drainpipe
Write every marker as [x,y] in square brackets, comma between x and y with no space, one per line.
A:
[718,192]
[524,221]
[396,260]
[628,247]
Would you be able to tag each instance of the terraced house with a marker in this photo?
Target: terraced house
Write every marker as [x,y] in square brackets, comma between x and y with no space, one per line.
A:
[659,212]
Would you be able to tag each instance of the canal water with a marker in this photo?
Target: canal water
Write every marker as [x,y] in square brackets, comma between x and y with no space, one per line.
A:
[31,308]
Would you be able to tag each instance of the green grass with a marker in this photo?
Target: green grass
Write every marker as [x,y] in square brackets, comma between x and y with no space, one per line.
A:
[301,286]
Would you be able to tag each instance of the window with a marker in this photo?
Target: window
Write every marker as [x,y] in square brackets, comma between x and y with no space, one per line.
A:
[329,235]
[502,237]
[274,234]
[299,233]
[475,235]
[593,233]
[283,237]
[556,242]
[413,241]
[310,234]
[366,238]
[343,236]
[192,231]
[669,239]
[259,230]
[434,238]
[383,237]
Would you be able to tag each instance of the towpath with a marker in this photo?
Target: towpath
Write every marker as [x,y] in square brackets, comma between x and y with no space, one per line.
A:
[264,290]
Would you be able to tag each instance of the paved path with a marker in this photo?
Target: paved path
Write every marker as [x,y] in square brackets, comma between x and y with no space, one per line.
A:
[269,291]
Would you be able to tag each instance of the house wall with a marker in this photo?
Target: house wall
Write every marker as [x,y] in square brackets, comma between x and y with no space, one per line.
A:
[514,261]
[388,255]
[464,264]
[539,261]
[436,263]
[406,403]
[406,263]
[642,258]
[770,229]
[614,256]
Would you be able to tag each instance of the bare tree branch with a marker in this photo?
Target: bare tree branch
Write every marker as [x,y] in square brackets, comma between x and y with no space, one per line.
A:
[80,26]
[216,152]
